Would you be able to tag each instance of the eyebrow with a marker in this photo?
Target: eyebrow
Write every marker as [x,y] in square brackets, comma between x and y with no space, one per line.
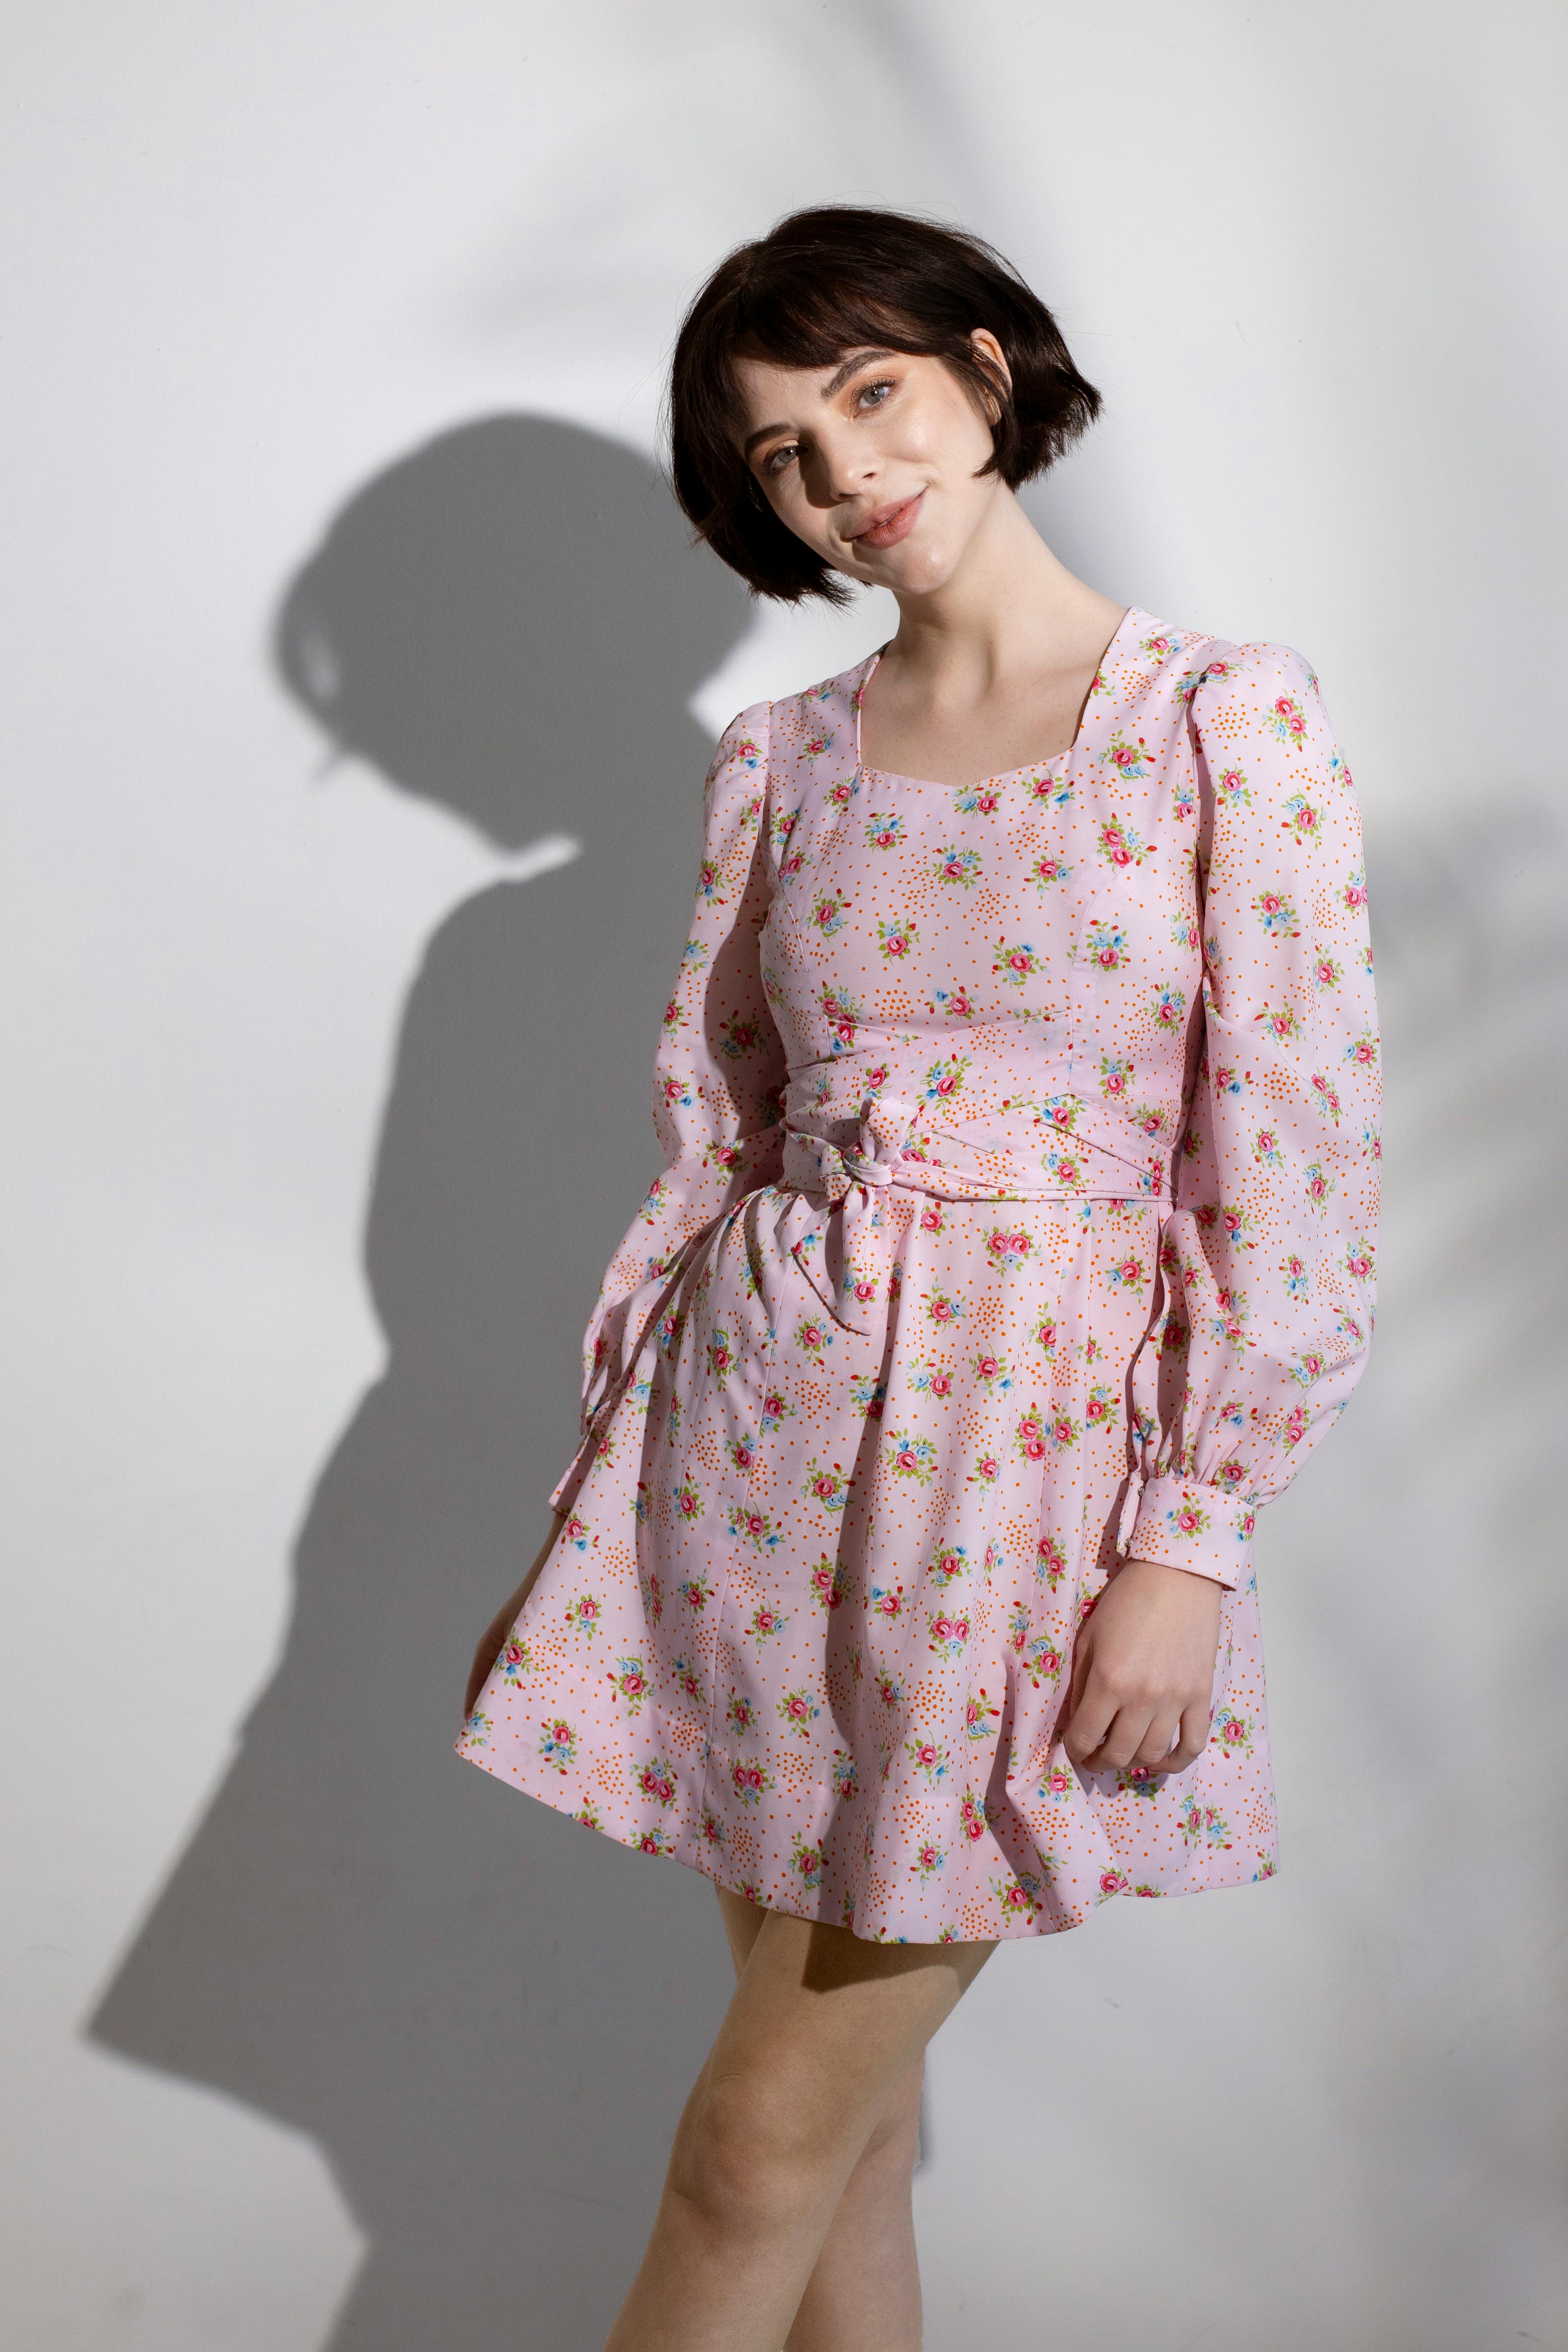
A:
[840,377]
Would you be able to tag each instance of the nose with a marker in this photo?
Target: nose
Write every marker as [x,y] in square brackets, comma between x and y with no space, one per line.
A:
[838,469]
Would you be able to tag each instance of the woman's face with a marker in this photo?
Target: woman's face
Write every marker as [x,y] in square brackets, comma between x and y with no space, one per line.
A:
[873,462]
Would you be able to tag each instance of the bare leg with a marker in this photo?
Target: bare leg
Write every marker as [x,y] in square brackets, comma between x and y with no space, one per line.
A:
[864,2295]
[823,2029]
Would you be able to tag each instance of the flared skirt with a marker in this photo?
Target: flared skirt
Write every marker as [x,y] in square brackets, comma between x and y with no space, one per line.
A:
[808,1624]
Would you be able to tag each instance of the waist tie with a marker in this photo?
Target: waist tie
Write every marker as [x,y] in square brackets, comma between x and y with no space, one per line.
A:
[853,1203]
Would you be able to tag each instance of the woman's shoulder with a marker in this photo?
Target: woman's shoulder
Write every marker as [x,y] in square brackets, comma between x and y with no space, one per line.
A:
[1151,653]
[816,727]
[1232,673]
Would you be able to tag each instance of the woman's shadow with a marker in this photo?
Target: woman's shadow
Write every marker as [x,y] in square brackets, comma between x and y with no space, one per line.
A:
[486,2016]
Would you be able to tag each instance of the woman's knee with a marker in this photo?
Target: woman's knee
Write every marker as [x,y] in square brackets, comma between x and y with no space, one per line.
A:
[751,2159]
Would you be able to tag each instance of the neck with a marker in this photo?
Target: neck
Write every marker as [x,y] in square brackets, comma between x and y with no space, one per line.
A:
[1010,609]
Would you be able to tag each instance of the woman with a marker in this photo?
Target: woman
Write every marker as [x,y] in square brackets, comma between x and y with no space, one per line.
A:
[1018,1099]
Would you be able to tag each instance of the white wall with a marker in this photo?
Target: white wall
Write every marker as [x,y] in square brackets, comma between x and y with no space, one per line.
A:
[375,2053]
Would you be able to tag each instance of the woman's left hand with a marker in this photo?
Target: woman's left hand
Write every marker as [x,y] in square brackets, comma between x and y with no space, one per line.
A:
[1143,1668]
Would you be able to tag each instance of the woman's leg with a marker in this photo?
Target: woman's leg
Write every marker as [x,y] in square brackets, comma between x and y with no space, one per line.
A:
[823,2029]
[864,2294]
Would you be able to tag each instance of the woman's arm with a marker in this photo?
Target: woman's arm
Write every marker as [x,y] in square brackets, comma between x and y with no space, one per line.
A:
[1267,1265]
[719,1078]
[719,1075]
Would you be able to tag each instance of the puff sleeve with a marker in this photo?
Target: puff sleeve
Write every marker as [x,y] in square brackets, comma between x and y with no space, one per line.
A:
[1266,1268]
[719,1075]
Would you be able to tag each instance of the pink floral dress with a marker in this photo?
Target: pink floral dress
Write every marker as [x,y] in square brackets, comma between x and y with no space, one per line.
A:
[1018,1214]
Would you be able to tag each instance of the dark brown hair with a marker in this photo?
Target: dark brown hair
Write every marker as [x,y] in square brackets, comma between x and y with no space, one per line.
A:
[820,283]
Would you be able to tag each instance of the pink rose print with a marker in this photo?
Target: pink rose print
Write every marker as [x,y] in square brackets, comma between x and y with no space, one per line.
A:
[750,1782]
[1121,845]
[1326,1096]
[1130,761]
[799,1710]
[1008,1250]
[897,939]
[959,866]
[911,1458]
[630,1679]
[927,1757]
[753,1526]
[830,1581]
[813,1334]
[948,1635]
[826,1485]
[1050,1561]
[1015,964]
[1288,720]
[1105,947]
[1030,1435]
[979,1713]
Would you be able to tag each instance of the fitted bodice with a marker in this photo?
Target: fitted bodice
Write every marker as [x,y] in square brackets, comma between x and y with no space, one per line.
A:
[1015,964]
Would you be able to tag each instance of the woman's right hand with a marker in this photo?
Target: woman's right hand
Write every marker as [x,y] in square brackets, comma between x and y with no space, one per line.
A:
[501,1624]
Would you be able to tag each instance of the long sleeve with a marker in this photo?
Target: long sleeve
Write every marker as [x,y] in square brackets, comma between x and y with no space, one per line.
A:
[719,1075]
[1267,1261]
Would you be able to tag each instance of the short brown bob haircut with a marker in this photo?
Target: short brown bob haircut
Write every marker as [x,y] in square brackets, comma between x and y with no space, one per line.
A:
[820,283]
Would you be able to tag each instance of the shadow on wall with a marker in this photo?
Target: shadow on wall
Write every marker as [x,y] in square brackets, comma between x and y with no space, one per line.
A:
[486,2016]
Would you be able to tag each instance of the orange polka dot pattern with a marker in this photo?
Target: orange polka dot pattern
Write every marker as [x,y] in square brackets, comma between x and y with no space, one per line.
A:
[1017,1215]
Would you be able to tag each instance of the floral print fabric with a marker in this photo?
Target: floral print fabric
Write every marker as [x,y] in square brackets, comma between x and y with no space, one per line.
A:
[1017,1215]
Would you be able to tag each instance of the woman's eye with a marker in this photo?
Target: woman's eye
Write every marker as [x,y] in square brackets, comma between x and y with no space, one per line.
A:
[771,463]
[884,385]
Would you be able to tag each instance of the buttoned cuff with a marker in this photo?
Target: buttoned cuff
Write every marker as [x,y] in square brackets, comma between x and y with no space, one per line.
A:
[1182,1523]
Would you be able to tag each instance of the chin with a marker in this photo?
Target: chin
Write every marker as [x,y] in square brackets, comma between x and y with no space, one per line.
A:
[916,569]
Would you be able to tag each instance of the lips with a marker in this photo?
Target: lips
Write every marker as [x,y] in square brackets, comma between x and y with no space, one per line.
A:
[890,524]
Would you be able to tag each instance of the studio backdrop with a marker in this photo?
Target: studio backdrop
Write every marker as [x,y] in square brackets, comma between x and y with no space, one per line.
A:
[360,679]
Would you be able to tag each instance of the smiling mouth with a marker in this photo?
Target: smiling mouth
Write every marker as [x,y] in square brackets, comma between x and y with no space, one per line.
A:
[893,523]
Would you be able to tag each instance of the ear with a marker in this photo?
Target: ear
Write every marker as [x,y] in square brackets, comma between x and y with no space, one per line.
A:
[994,361]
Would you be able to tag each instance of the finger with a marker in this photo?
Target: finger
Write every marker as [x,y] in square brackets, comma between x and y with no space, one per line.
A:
[1155,1748]
[1091,1720]
[1127,1735]
[1193,1739]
